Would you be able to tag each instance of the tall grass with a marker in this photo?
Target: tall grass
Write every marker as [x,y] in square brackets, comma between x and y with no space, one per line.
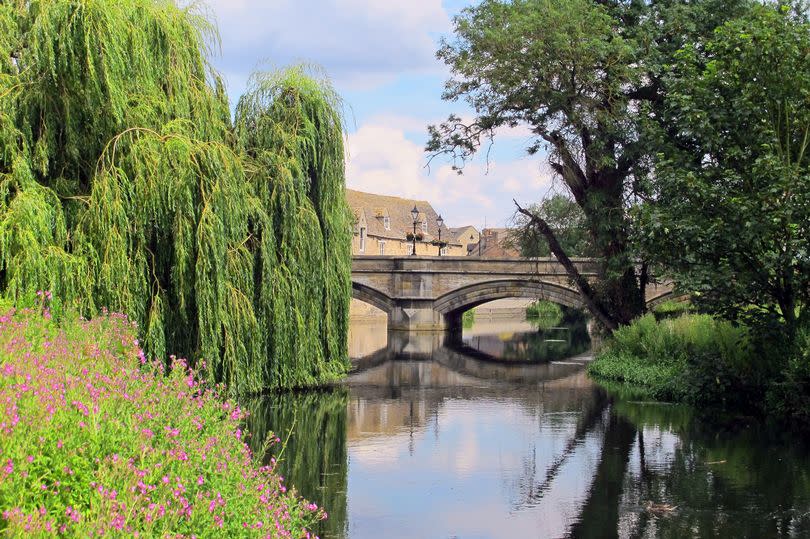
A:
[671,309]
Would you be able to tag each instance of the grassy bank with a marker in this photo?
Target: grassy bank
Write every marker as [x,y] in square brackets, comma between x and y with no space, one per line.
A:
[544,314]
[709,363]
[96,441]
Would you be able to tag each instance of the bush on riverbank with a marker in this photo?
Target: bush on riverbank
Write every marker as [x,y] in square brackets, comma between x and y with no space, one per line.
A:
[789,396]
[709,363]
[655,356]
[96,441]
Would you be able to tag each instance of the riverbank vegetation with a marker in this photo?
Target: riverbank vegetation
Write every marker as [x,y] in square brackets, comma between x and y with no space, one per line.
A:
[99,441]
[680,132]
[730,221]
[712,364]
[125,185]
[544,314]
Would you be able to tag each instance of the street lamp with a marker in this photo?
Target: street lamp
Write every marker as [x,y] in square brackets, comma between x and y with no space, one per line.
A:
[415,215]
[440,222]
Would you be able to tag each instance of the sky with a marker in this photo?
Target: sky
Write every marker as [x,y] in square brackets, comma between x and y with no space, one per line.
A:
[380,56]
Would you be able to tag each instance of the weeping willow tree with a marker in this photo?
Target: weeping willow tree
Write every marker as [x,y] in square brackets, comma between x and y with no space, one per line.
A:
[288,126]
[123,185]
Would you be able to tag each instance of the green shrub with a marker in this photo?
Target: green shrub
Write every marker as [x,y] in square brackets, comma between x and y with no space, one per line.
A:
[544,314]
[656,380]
[712,365]
[673,359]
[789,396]
[671,309]
[468,319]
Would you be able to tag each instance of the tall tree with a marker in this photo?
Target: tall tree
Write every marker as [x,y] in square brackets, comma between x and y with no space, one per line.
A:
[123,185]
[732,214]
[584,75]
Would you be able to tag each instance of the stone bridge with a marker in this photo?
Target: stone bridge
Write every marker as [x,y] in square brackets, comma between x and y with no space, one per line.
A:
[431,293]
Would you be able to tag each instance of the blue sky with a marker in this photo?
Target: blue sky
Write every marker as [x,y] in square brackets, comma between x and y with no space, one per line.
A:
[380,55]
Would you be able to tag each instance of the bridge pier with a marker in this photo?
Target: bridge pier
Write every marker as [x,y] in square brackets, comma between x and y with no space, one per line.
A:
[416,315]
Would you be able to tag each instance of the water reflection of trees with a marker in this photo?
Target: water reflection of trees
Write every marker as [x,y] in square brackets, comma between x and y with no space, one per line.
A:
[312,456]
[592,415]
[566,337]
[661,474]
[725,483]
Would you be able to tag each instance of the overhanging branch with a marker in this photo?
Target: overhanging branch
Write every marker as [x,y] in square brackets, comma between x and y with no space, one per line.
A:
[585,289]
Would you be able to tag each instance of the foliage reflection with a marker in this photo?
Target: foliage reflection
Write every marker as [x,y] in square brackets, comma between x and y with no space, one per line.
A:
[312,453]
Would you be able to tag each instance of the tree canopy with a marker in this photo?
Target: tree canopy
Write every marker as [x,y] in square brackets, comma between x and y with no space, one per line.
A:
[585,77]
[123,185]
[565,219]
[731,217]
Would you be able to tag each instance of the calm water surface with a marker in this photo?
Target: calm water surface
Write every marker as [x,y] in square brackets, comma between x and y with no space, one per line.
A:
[505,436]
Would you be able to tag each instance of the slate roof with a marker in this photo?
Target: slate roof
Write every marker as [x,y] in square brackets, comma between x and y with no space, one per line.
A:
[398,210]
[457,231]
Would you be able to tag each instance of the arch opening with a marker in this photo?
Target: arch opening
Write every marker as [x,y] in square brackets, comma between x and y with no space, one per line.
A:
[454,303]
[369,313]
[372,297]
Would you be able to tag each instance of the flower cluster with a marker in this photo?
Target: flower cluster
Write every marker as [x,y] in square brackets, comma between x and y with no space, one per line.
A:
[95,441]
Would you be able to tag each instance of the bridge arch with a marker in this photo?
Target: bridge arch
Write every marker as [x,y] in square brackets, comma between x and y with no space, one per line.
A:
[373,297]
[473,295]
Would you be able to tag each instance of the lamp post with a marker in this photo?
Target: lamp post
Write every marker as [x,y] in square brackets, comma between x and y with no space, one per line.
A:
[440,222]
[415,215]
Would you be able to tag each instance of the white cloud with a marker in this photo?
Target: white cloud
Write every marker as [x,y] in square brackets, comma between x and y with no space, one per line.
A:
[361,43]
[381,159]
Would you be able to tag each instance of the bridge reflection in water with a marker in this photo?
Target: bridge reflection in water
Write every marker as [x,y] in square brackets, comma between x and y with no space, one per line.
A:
[425,440]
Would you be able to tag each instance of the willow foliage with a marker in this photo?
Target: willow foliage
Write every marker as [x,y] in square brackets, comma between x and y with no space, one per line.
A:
[123,185]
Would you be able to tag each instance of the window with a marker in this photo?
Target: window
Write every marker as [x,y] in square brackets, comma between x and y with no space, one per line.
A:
[362,239]
[409,249]
[382,247]
[387,222]
[424,226]
[443,251]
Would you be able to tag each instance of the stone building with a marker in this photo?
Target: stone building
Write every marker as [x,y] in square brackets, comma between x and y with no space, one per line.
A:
[498,243]
[468,236]
[384,226]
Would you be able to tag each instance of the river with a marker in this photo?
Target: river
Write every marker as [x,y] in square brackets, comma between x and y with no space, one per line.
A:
[504,435]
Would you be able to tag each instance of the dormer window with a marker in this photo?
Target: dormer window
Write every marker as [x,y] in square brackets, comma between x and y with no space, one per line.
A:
[387,222]
[424,226]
